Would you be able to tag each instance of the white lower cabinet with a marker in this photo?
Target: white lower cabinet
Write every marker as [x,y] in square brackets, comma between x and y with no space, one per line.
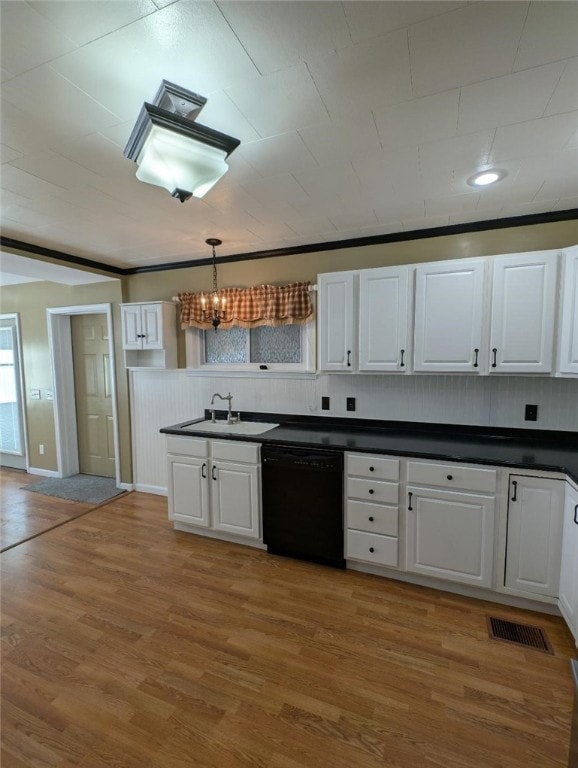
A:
[534,538]
[568,592]
[450,533]
[214,484]
[372,509]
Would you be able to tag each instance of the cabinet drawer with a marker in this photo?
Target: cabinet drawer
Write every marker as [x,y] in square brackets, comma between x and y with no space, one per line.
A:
[373,518]
[372,490]
[371,548]
[364,465]
[187,446]
[230,450]
[452,476]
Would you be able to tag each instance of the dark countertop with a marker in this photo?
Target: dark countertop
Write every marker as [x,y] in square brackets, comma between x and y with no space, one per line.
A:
[523,449]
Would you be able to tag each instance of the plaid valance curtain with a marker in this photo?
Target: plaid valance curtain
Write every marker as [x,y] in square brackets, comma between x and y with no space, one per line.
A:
[251,307]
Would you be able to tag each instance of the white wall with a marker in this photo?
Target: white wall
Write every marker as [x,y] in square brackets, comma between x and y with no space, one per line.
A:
[162,398]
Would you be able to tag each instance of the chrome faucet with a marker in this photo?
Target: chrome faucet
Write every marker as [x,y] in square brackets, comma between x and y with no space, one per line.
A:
[228,397]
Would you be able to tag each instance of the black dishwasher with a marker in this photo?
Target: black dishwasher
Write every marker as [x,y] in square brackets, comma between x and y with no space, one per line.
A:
[303,503]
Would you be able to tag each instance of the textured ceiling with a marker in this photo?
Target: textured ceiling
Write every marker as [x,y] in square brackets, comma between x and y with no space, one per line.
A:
[356,119]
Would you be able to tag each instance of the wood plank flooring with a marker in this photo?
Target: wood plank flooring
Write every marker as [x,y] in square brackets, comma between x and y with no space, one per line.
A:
[129,645]
[24,514]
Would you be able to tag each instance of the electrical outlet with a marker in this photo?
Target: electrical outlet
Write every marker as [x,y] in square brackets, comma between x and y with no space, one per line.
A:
[325,403]
[48,394]
[350,403]
[41,449]
[35,394]
[531,413]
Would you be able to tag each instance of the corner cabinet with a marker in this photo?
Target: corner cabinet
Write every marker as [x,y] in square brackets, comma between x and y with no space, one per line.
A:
[337,323]
[534,538]
[149,334]
[523,313]
[384,304]
[449,309]
[568,592]
[213,485]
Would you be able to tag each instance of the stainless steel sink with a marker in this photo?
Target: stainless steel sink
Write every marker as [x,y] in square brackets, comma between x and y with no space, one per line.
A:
[241,428]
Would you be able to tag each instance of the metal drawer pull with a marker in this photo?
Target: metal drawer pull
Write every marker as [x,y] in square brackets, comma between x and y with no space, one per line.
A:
[402,364]
[494,362]
[450,477]
[349,358]
[576,514]
[203,468]
[213,472]
[371,491]
[409,495]
[476,352]
[371,549]
[372,469]
[371,518]
[515,496]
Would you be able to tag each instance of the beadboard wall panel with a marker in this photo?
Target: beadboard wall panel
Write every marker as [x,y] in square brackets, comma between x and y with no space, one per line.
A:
[161,398]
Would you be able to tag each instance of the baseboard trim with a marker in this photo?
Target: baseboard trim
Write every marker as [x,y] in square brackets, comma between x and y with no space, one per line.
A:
[43,472]
[126,486]
[156,489]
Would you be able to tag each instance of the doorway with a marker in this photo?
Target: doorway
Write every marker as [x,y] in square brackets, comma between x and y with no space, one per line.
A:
[13,451]
[60,333]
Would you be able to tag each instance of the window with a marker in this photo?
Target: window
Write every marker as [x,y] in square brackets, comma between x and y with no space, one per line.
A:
[10,407]
[284,348]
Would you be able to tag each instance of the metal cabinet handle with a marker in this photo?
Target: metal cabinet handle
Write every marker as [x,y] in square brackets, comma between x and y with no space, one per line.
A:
[371,518]
[401,363]
[409,495]
[515,495]
[450,477]
[371,549]
[213,472]
[576,514]
[476,352]
[371,491]
[372,469]
[203,468]
[494,361]
[349,358]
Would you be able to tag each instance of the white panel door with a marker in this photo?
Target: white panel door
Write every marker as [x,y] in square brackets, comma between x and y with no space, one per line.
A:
[188,488]
[235,498]
[131,327]
[450,535]
[152,326]
[568,351]
[383,320]
[336,321]
[534,541]
[568,593]
[523,313]
[449,302]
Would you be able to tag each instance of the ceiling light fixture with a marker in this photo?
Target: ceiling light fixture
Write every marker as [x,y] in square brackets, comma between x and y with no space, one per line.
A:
[484,178]
[216,310]
[172,150]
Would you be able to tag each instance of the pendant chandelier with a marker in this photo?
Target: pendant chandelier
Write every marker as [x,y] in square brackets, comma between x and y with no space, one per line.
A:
[214,306]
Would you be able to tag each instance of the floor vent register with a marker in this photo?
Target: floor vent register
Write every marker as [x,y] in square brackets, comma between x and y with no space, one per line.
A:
[519,634]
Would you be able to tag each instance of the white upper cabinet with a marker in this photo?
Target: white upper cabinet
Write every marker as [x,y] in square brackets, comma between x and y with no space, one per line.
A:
[337,321]
[149,334]
[568,347]
[383,319]
[523,313]
[449,303]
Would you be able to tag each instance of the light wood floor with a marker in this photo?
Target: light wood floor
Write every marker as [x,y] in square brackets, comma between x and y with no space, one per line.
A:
[128,645]
[24,514]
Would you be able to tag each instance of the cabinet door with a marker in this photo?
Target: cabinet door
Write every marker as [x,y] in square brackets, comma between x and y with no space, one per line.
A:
[450,535]
[534,541]
[152,326]
[568,594]
[568,352]
[235,498]
[131,327]
[188,490]
[383,326]
[523,311]
[449,301]
[336,321]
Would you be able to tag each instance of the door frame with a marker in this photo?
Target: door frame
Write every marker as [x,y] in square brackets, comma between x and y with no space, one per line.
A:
[21,388]
[60,346]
